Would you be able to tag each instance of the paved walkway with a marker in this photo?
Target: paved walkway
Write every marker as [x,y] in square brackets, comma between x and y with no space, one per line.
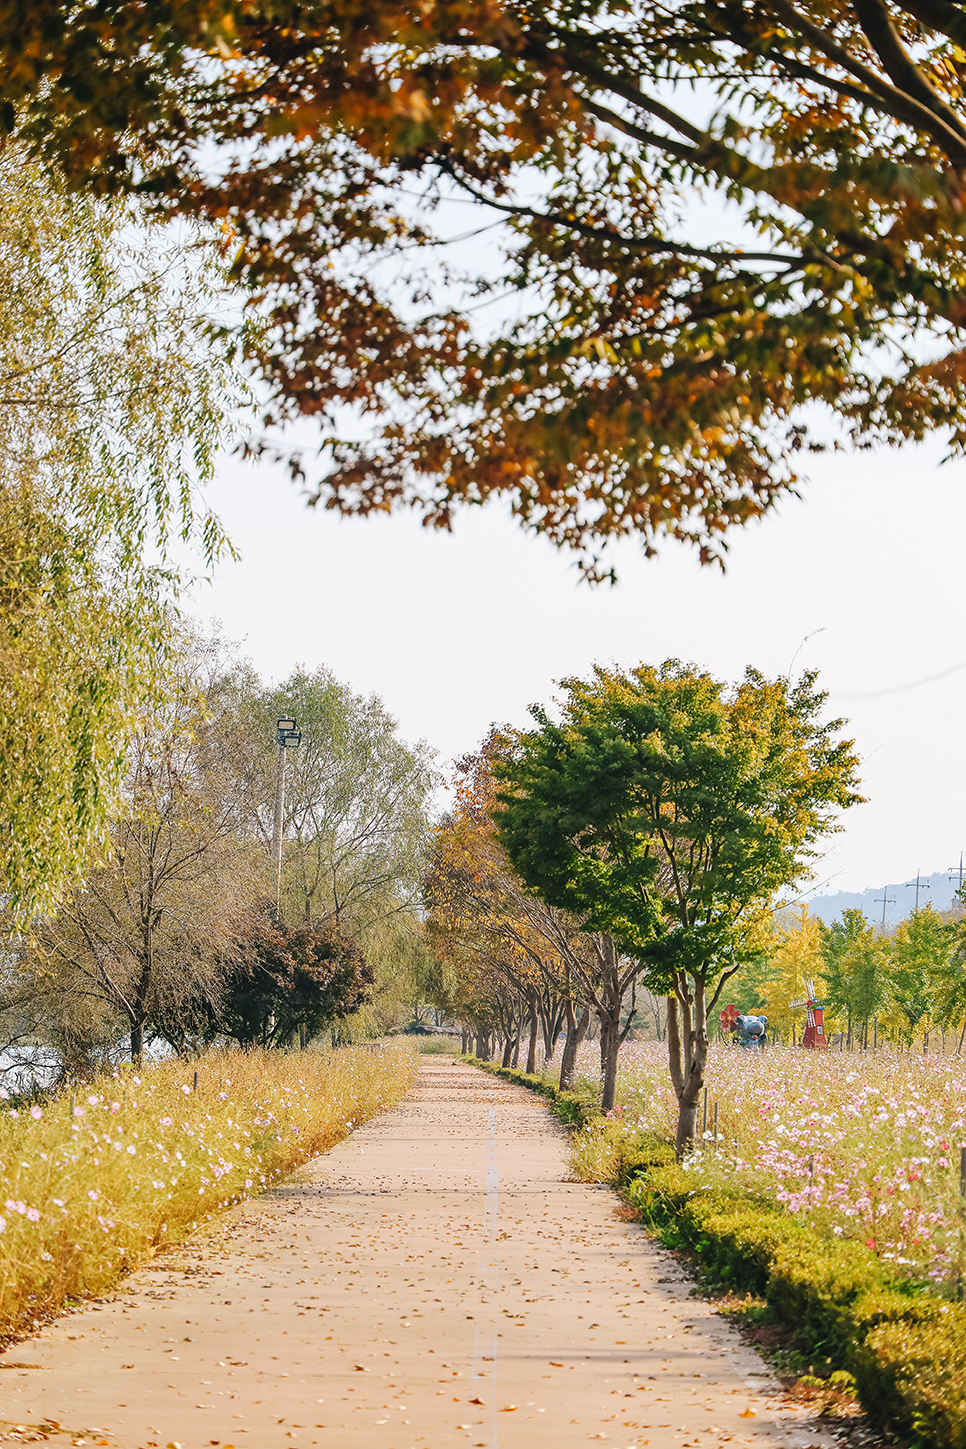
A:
[435,1281]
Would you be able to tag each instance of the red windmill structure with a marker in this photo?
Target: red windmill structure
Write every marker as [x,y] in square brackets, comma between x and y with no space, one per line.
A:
[814,1019]
[728,1018]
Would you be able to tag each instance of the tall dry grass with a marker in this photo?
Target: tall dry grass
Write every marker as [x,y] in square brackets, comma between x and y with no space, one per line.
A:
[94,1182]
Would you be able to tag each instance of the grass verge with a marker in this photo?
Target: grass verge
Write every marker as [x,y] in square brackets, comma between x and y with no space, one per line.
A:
[97,1182]
[900,1347]
[430,1046]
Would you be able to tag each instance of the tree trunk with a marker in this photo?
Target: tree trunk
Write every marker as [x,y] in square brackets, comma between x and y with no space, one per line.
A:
[576,1031]
[508,1051]
[516,1051]
[552,1015]
[687,1035]
[532,1047]
[139,1005]
[609,1052]
[137,1043]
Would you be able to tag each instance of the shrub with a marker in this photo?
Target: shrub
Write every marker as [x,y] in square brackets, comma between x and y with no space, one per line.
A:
[905,1347]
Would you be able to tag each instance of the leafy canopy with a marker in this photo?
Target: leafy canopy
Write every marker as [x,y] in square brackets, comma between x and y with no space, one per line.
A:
[357,798]
[855,967]
[667,807]
[113,400]
[287,980]
[706,216]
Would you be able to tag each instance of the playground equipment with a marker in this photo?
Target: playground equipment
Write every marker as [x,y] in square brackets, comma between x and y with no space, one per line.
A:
[747,1031]
[814,1019]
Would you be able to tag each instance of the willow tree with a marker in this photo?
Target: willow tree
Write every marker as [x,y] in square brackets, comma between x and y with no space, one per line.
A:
[708,216]
[113,399]
[665,808]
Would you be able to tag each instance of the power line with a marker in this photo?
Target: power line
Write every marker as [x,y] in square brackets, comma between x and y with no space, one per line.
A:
[898,688]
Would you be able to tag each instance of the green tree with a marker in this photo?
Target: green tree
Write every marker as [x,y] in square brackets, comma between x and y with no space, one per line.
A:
[113,400]
[356,799]
[711,215]
[666,808]
[921,953]
[855,972]
[951,982]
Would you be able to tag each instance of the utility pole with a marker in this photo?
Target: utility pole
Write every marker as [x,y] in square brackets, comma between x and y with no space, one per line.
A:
[952,871]
[909,885]
[289,738]
[887,900]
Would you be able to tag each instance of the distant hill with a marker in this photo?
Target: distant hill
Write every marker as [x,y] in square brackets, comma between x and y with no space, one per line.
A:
[937,890]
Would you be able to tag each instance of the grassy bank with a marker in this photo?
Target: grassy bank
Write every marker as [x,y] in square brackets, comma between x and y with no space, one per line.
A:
[430,1046]
[97,1181]
[892,1339]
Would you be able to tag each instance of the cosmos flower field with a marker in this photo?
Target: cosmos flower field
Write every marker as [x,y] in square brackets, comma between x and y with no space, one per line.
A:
[98,1180]
[864,1146]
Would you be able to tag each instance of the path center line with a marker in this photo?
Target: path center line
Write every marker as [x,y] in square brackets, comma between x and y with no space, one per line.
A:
[490,1282]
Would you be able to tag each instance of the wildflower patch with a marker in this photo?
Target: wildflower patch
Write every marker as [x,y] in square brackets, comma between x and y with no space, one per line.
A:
[95,1182]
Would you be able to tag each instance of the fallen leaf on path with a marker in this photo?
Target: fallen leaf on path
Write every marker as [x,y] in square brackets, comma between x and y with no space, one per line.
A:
[555,1365]
[508,1409]
[360,1368]
[474,1401]
[747,1414]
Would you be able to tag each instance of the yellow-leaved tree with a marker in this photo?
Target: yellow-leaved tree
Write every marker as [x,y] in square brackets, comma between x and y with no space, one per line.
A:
[795,958]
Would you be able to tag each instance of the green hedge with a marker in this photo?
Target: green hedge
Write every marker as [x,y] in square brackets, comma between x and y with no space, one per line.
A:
[904,1346]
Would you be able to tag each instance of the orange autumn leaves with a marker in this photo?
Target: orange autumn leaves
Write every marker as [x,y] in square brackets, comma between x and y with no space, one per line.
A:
[646,378]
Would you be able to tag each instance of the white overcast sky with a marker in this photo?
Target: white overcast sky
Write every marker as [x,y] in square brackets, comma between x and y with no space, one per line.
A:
[456,631]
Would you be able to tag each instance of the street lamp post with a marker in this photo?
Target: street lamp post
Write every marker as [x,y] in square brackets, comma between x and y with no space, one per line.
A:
[289,738]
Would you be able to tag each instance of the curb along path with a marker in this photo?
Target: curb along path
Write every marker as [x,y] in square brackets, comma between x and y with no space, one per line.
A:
[434,1281]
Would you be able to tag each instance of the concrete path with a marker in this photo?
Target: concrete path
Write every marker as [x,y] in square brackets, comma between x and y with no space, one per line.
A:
[435,1281]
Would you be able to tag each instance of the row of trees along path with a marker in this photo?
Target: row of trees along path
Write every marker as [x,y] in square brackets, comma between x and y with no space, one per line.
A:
[436,1280]
[639,837]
